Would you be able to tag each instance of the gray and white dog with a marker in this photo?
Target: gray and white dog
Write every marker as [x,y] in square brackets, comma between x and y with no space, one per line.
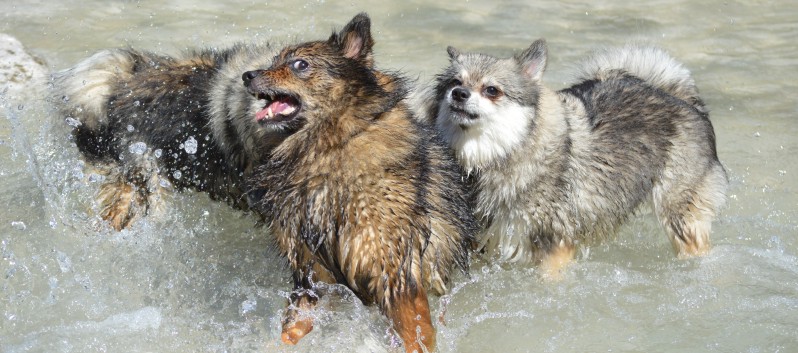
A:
[552,169]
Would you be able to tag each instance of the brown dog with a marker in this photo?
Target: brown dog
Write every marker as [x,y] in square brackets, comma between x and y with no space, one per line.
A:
[359,193]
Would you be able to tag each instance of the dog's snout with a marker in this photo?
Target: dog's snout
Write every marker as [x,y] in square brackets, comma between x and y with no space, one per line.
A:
[249,76]
[460,94]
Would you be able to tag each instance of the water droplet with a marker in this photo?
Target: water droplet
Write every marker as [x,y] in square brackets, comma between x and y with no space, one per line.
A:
[248,306]
[136,103]
[756,134]
[164,183]
[137,148]
[64,262]
[95,178]
[72,122]
[18,225]
[190,145]
[158,153]
[130,128]
[177,174]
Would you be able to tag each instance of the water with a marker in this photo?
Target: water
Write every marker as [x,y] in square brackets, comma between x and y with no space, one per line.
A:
[199,277]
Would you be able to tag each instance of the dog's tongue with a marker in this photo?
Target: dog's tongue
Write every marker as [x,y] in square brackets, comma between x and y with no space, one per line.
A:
[278,107]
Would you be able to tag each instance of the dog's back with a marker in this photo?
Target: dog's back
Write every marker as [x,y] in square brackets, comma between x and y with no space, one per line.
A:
[651,64]
[649,134]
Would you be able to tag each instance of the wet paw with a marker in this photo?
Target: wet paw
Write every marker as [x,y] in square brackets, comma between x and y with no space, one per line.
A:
[295,330]
[553,264]
[121,203]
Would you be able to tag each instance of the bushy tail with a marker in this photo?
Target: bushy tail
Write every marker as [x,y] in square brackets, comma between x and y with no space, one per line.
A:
[82,92]
[649,63]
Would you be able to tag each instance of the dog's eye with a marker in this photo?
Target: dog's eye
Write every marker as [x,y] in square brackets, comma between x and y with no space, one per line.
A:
[300,65]
[491,92]
[456,82]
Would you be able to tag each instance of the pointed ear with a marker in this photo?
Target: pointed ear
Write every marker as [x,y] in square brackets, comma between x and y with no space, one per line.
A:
[533,60]
[354,40]
[454,54]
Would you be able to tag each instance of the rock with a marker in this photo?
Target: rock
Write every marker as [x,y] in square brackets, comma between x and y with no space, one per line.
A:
[20,72]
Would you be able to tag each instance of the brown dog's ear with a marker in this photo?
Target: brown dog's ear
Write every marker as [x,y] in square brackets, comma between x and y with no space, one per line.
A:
[354,40]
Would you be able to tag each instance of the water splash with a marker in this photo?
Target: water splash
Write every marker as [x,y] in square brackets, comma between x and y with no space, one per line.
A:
[137,148]
[190,145]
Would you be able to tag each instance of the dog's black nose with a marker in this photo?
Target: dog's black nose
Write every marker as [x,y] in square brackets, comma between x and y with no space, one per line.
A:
[249,76]
[460,94]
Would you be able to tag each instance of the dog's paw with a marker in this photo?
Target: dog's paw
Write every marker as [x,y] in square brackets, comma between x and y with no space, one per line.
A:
[121,204]
[295,330]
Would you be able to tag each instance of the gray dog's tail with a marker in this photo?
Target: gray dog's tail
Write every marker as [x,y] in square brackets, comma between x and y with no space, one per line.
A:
[82,92]
[649,63]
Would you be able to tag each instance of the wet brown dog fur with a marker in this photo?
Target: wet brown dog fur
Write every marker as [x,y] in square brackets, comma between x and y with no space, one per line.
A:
[360,194]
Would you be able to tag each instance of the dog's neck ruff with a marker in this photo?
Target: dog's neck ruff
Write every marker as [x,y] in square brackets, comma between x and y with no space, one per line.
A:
[494,137]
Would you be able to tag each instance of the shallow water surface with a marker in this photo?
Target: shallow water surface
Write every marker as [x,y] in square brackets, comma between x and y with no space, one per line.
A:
[199,277]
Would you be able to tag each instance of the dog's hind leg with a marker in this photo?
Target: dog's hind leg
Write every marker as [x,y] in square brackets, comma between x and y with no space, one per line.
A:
[554,260]
[687,211]
[412,321]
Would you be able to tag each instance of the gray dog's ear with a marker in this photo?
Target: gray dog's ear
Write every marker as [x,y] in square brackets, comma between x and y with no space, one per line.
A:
[454,54]
[533,60]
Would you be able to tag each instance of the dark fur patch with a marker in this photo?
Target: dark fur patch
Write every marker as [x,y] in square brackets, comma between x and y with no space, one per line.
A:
[158,117]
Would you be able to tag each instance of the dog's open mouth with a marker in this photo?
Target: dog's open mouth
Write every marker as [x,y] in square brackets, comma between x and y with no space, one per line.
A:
[462,113]
[279,107]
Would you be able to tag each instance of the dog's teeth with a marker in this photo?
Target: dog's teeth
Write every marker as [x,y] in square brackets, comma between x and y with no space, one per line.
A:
[269,112]
[287,111]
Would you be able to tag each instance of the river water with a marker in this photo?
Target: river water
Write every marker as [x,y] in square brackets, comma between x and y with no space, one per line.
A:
[202,278]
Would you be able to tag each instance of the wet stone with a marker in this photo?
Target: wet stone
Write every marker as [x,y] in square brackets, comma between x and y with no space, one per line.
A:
[18,69]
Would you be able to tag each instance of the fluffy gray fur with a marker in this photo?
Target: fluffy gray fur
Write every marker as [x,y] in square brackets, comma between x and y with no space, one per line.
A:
[554,169]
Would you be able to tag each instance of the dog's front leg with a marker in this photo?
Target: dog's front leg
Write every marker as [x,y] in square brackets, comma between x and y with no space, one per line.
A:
[412,322]
[298,318]
[297,321]
[122,202]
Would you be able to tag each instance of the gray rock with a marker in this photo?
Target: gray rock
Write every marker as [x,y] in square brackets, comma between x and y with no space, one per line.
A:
[20,72]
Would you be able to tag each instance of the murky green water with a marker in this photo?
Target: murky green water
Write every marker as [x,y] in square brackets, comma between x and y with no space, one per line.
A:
[202,278]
